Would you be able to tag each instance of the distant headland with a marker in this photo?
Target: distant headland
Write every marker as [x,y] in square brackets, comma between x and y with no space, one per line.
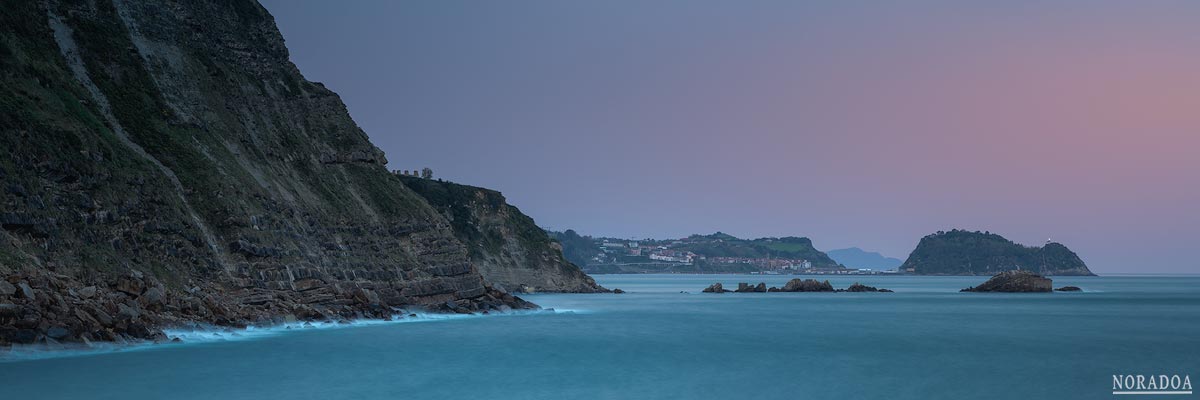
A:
[954,252]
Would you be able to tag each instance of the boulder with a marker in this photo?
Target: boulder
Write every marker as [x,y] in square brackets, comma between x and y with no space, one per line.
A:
[716,288]
[26,291]
[9,310]
[131,284]
[1069,289]
[152,298]
[127,313]
[618,291]
[87,292]
[7,289]
[1015,281]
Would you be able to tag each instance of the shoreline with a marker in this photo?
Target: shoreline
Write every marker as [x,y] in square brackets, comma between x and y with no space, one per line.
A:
[200,334]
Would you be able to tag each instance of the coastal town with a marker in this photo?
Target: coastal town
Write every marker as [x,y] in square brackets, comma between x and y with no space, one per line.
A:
[716,253]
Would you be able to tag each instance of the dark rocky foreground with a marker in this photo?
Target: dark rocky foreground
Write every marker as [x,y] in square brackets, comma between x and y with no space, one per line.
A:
[794,285]
[51,308]
[163,162]
[1015,281]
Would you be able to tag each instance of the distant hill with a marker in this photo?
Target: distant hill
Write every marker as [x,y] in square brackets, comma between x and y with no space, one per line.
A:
[960,252]
[715,253]
[725,245]
[858,258]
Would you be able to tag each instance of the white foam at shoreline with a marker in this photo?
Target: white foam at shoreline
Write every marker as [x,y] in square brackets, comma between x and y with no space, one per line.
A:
[210,334]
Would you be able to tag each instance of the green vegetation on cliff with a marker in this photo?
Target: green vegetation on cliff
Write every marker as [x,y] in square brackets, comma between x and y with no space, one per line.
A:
[960,252]
[509,249]
[164,162]
[789,247]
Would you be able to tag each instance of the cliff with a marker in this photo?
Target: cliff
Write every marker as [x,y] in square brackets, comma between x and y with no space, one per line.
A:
[509,249]
[960,252]
[164,163]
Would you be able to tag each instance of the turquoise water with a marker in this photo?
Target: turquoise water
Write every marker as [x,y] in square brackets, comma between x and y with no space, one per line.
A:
[925,341]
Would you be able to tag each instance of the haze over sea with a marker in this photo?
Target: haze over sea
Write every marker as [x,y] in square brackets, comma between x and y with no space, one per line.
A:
[655,342]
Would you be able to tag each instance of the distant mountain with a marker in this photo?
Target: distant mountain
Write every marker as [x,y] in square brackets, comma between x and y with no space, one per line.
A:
[960,252]
[858,258]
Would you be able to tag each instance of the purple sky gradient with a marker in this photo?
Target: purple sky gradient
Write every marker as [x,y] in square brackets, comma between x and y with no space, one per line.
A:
[852,123]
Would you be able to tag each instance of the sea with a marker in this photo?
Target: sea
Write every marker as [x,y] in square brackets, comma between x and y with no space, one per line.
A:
[664,339]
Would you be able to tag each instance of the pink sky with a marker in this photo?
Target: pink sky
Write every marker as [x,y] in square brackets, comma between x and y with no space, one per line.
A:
[855,125]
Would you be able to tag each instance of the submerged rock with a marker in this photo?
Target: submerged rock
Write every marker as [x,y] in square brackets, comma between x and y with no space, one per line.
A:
[1069,289]
[618,291]
[1015,281]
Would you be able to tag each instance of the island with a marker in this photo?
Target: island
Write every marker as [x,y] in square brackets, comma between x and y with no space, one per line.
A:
[960,252]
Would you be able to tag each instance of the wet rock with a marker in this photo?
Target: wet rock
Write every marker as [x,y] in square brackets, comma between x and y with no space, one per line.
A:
[1016,281]
[716,288]
[618,291]
[1069,289]
[57,332]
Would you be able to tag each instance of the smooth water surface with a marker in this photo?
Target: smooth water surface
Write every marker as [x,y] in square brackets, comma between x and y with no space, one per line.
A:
[924,341]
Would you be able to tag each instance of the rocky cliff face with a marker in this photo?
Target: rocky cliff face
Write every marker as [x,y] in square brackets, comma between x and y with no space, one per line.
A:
[960,252]
[163,162]
[509,249]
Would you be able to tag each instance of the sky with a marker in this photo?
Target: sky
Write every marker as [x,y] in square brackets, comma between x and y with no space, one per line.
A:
[854,123]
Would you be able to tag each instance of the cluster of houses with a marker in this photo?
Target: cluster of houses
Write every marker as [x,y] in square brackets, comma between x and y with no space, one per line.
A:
[422,173]
[667,254]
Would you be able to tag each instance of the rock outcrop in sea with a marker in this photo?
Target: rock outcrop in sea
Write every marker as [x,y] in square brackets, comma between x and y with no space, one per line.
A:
[716,288]
[1015,281]
[747,288]
[164,162]
[1069,289]
[794,285]
[805,285]
[858,287]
